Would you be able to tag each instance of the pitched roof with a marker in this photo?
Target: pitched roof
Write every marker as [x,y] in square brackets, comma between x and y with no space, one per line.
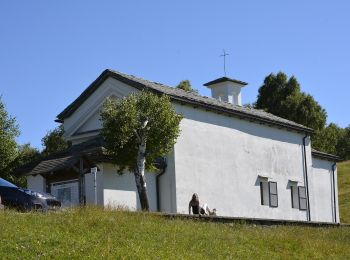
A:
[184,97]
[53,165]
[326,156]
[92,149]
[224,79]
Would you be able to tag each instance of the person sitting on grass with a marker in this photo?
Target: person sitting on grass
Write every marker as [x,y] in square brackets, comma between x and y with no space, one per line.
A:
[198,209]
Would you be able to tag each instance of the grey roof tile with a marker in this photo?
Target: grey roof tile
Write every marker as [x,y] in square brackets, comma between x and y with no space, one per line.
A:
[186,97]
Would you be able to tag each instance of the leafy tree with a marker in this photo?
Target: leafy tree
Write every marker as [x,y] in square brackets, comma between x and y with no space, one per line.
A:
[8,132]
[54,142]
[26,156]
[343,146]
[282,97]
[137,130]
[328,139]
[186,85]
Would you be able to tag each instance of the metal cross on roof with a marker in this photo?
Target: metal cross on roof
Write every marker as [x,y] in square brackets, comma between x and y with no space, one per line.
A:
[224,55]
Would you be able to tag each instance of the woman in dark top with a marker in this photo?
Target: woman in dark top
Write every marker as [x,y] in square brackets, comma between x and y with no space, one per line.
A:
[198,209]
[194,204]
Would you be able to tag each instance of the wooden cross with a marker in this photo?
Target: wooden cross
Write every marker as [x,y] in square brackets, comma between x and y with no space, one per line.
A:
[224,55]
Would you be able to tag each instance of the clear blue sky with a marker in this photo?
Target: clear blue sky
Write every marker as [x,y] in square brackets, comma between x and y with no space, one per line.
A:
[50,51]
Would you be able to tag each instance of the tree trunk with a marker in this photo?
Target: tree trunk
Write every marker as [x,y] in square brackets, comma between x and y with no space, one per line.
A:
[139,173]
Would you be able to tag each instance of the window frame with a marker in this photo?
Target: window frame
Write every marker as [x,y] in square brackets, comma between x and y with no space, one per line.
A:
[302,198]
[270,183]
[294,196]
[266,193]
[297,189]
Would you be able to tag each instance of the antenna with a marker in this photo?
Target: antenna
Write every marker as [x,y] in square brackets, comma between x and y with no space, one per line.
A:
[224,55]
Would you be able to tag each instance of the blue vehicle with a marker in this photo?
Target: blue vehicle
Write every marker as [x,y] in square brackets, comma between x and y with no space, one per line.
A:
[26,200]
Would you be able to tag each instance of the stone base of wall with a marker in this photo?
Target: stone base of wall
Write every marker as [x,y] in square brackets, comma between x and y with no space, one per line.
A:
[253,221]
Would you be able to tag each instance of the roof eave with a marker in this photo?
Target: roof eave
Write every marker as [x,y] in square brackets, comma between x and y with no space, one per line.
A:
[83,96]
[326,156]
[109,73]
[243,115]
[224,79]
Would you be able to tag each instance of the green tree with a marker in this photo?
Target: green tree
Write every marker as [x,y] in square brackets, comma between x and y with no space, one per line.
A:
[343,146]
[137,130]
[328,139]
[26,157]
[54,142]
[282,97]
[8,132]
[186,85]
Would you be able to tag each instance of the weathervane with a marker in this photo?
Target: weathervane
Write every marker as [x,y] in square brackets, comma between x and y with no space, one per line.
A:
[224,55]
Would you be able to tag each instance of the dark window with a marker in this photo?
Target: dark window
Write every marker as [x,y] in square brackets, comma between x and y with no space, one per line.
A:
[302,198]
[295,196]
[268,193]
[264,193]
[273,194]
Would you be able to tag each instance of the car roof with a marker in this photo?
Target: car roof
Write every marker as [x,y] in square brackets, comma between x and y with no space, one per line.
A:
[5,183]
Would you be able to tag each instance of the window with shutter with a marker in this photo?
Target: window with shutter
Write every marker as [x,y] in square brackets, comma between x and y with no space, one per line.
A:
[295,196]
[264,192]
[273,194]
[302,198]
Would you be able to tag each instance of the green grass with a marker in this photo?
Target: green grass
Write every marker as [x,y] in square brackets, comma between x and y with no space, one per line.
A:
[344,191]
[95,233]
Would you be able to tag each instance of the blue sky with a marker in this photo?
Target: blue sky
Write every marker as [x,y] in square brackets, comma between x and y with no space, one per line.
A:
[50,51]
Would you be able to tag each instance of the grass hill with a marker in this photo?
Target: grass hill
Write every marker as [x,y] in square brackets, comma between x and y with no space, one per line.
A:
[344,191]
[96,233]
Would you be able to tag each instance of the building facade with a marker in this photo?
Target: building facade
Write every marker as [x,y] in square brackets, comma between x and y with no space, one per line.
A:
[241,161]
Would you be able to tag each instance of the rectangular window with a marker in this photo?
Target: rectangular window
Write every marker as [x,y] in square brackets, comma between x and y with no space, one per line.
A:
[268,192]
[299,199]
[302,198]
[295,196]
[273,194]
[264,192]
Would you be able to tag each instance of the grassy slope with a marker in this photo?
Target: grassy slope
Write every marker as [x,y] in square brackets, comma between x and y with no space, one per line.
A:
[96,233]
[344,191]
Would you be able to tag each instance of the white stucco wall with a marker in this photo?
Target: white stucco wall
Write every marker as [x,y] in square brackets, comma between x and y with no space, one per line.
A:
[321,181]
[221,157]
[167,187]
[36,183]
[216,156]
[227,91]
[120,190]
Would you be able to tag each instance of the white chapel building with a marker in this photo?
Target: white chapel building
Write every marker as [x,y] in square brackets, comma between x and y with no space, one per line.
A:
[242,161]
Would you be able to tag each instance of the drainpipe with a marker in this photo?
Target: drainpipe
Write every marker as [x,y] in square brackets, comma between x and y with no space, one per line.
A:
[306,179]
[157,182]
[334,201]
